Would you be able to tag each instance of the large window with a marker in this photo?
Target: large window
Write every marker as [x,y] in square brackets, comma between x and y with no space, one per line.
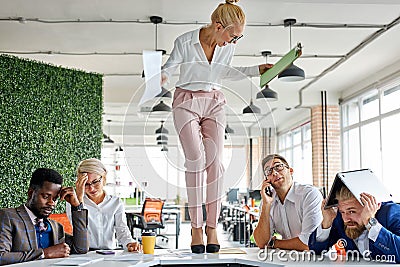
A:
[295,146]
[369,130]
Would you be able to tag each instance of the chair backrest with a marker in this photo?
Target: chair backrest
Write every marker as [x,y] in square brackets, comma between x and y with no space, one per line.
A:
[63,219]
[152,210]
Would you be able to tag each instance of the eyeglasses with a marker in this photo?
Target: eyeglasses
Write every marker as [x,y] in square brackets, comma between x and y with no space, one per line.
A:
[234,37]
[95,183]
[277,168]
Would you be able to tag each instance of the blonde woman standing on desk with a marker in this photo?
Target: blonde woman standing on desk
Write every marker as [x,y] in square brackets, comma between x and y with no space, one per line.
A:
[106,213]
[204,57]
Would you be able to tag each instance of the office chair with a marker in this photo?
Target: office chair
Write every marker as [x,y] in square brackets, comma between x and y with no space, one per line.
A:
[151,217]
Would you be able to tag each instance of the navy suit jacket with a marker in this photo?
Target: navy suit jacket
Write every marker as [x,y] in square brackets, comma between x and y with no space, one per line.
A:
[387,243]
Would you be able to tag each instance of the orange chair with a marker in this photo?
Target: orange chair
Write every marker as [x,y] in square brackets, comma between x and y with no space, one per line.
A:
[63,219]
[151,217]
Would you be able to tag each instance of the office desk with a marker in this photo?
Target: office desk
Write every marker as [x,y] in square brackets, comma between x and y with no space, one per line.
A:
[240,218]
[177,258]
[169,212]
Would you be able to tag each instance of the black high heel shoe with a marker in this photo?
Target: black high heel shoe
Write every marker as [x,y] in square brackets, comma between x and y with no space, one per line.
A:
[211,248]
[198,249]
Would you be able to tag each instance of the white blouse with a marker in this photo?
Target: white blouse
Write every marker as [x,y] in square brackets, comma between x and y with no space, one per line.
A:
[196,73]
[105,222]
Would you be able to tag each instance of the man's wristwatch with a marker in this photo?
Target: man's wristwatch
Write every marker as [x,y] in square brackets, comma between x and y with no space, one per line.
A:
[372,222]
[77,208]
[271,243]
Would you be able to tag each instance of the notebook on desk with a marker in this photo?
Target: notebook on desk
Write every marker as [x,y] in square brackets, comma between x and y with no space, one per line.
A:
[357,182]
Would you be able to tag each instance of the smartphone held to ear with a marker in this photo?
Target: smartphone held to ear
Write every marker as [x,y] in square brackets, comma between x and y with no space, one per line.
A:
[268,191]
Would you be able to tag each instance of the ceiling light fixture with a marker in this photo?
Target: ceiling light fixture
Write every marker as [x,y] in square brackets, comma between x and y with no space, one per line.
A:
[251,108]
[229,130]
[162,143]
[164,92]
[109,140]
[267,92]
[156,20]
[162,138]
[292,73]
[164,149]
[162,129]
[119,149]
[161,107]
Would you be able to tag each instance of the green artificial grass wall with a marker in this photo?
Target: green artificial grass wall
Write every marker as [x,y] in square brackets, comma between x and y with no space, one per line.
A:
[49,117]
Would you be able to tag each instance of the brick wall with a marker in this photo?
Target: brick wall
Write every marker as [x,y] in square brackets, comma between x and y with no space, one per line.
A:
[333,140]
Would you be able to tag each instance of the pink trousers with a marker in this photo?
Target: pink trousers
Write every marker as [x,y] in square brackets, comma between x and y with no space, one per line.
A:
[199,119]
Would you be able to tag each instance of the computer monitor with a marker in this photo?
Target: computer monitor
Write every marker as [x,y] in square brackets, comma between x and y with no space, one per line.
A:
[232,195]
[255,194]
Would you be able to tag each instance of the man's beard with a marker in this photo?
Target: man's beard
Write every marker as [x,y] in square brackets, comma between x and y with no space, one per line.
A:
[32,205]
[353,233]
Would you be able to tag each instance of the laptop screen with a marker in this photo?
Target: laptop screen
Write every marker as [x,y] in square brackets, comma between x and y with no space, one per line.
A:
[357,182]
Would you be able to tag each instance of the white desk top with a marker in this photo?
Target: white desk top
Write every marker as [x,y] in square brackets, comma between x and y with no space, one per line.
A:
[176,257]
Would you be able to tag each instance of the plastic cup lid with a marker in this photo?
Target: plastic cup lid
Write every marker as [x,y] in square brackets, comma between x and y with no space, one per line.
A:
[148,234]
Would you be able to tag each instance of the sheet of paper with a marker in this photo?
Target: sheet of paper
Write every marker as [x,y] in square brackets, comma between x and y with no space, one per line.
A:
[129,257]
[152,71]
[281,65]
[231,251]
[78,261]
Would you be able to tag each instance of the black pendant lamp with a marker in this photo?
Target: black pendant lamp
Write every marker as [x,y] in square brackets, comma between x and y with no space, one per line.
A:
[162,129]
[251,108]
[292,73]
[164,149]
[108,139]
[162,138]
[164,93]
[156,20]
[119,149]
[229,130]
[161,107]
[267,92]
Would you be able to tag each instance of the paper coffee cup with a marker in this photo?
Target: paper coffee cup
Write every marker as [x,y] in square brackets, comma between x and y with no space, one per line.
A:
[148,242]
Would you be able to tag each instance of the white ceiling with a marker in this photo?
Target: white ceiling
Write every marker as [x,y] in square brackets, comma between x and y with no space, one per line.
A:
[108,37]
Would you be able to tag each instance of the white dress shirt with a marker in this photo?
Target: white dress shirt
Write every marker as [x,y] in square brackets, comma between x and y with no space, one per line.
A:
[31,215]
[196,73]
[299,215]
[105,221]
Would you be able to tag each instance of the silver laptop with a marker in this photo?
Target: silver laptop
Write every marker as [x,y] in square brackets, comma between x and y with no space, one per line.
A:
[357,182]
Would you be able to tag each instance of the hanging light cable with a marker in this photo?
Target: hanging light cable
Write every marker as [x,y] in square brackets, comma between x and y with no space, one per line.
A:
[156,20]
[267,92]
[162,129]
[292,73]
[251,108]
[108,139]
